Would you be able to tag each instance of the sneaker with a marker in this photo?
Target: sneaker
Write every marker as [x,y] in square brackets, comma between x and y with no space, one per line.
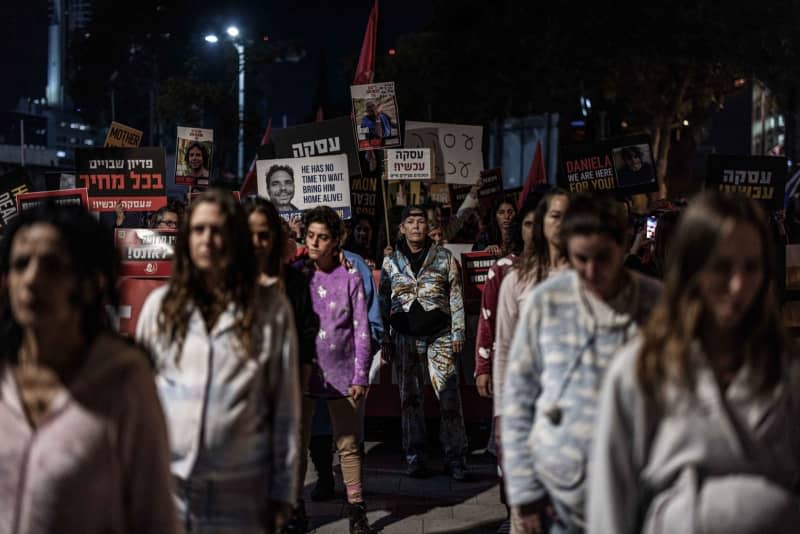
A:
[298,523]
[357,514]
[457,472]
[417,471]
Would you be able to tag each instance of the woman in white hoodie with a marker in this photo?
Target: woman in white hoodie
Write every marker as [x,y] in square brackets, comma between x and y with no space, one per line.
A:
[697,429]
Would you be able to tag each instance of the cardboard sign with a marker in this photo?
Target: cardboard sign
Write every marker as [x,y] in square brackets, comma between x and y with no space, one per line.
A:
[624,166]
[123,136]
[297,184]
[334,136]
[376,120]
[491,189]
[133,292]
[193,158]
[457,149]
[134,176]
[146,252]
[762,178]
[12,185]
[409,164]
[64,197]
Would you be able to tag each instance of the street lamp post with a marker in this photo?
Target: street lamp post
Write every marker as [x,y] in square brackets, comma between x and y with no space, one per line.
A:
[233,33]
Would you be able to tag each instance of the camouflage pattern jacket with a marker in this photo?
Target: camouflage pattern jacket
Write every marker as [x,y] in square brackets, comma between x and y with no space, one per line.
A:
[437,286]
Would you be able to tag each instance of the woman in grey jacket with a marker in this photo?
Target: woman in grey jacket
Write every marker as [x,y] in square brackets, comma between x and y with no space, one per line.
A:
[697,429]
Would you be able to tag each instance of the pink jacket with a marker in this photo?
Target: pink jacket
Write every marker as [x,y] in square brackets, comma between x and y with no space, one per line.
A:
[99,462]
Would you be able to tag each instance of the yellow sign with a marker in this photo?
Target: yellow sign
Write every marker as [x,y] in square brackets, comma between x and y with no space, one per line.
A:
[123,136]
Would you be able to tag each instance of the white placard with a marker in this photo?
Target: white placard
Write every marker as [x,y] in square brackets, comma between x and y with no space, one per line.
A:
[298,184]
[459,148]
[408,164]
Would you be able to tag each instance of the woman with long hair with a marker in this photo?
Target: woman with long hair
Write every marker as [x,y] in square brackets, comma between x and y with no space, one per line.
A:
[485,345]
[697,424]
[225,350]
[84,446]
[497,237]
[543,254]
[271,243]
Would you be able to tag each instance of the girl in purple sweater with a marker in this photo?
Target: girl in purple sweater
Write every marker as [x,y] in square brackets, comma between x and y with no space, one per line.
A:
[341,372]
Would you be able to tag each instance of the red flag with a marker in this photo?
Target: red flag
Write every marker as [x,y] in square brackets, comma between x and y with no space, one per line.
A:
[537,175]
[365,70]
[249,185]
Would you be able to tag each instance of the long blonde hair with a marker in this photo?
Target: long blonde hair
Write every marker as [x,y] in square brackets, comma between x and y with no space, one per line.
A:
[676,321]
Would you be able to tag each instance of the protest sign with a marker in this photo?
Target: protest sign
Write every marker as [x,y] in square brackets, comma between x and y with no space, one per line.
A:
[457,149]
[408,164]
[298,184]
[624,166]
[12,185]
[123,136]
[375,117]
[132,294]
[133,176]
[439,193]
[475,268]
[145,252]
[334,136]
[491,189]
[63,197]
[365,196]
[193,158]
[762,178]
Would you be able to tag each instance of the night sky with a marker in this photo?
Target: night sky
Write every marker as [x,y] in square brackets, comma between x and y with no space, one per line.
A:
[337,27]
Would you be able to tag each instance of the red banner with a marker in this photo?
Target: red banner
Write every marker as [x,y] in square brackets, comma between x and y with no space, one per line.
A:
[62,197]
[132,294]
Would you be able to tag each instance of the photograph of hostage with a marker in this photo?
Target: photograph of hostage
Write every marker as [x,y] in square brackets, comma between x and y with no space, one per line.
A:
[197,159]
[634,165]
[280,185]
[376,124]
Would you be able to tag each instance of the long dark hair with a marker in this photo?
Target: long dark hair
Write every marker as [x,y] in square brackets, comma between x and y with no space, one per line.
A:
[676,321]
[535,261]
[493,233]
[274,265]
[187,290]
[94,263]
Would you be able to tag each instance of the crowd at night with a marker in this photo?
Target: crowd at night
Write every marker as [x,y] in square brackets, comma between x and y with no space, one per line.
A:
[447,266]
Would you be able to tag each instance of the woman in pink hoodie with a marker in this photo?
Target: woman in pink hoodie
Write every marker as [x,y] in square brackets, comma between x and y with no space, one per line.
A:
[84,446]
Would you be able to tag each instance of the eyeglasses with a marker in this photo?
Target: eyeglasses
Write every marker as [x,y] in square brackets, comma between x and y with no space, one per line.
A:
[171,224]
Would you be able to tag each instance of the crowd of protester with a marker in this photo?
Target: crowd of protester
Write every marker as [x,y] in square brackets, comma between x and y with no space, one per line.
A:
[638,384]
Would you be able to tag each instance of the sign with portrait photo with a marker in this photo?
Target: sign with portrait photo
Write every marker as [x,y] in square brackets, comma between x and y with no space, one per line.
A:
[294,185]
[376,119]
[136,177]
[623,166]
[457,149]
[193,159]
[762,178]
